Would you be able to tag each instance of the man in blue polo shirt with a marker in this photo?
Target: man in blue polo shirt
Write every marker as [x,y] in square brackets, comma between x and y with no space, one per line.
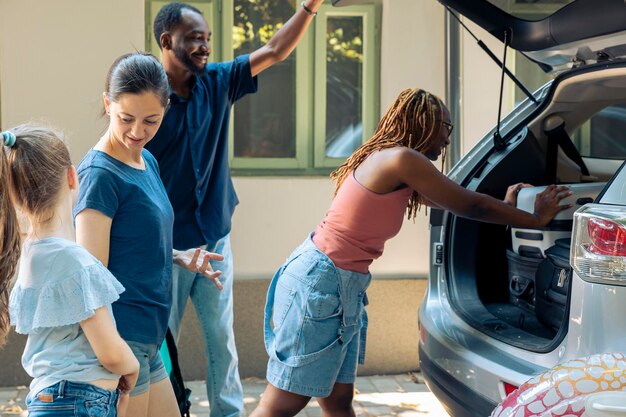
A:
[191,147]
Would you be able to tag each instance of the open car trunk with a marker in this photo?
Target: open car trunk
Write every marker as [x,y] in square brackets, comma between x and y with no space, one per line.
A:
[556,35]
[513,284]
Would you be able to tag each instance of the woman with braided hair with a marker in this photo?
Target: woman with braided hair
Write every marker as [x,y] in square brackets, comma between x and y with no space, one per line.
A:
[316,299]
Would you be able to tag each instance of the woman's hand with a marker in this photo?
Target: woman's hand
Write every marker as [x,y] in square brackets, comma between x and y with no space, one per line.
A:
[547,202]
[126,385]
[511,193]
[197,260]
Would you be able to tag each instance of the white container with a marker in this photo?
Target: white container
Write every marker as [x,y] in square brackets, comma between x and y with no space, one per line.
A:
[533,242]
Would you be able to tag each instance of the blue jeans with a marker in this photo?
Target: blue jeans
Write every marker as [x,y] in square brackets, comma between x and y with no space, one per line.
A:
[72,399]
[214,309]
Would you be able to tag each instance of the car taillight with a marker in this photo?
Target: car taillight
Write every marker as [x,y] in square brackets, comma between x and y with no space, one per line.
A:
[599,244]
[607,237]
[509,388]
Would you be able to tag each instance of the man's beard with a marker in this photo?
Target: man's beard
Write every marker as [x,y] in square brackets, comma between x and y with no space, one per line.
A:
[184,58]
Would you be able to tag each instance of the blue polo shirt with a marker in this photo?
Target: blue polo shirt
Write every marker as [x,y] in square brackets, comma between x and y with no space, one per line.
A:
[191,147]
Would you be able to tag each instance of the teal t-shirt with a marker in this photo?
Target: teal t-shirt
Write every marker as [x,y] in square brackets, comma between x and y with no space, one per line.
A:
[59,284]
[140,248]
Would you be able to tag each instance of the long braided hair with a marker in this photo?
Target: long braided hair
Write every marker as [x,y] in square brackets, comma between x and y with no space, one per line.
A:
[413,120]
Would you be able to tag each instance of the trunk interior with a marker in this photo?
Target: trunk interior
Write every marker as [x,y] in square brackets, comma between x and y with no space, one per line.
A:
[513,284]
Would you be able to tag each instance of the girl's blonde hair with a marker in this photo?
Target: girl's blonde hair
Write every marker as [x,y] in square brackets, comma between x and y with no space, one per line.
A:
[32,172]
[414,121]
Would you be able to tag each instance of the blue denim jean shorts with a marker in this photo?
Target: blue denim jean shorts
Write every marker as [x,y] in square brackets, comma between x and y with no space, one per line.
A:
[73,399]
[151,366]
[315,323]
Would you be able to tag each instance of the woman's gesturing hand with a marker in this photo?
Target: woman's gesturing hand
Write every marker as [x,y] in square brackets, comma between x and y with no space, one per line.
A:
[198,261]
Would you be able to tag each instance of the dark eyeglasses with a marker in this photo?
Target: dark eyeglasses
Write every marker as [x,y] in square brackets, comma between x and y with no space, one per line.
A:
[448,126]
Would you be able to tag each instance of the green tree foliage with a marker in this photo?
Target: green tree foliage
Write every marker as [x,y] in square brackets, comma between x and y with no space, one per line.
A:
[256,21]
[344,37]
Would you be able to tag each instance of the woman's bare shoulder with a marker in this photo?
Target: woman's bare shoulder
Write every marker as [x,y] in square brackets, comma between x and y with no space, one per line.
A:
[399,152]
[400,156]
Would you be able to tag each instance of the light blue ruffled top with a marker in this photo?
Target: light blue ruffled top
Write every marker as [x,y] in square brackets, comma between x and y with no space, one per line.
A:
[59,284]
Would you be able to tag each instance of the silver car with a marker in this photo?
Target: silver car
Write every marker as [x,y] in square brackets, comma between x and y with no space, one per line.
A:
[504,304]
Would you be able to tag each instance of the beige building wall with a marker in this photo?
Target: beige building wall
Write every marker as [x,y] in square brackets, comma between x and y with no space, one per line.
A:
[53,58]
[481,85]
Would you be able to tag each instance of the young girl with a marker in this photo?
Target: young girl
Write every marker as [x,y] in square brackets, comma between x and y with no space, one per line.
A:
[124,218]
[316,299]
[62,296]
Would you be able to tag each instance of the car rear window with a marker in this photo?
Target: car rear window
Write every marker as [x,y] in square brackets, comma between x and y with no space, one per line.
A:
[604,135]
[616,191]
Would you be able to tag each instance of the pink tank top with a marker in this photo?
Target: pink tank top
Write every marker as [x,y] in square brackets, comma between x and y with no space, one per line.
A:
[358,223]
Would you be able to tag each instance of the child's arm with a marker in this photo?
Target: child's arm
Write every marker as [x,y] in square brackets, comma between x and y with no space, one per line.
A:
[111,350]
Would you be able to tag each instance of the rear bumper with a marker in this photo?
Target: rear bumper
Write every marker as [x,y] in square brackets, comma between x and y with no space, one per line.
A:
[456,398]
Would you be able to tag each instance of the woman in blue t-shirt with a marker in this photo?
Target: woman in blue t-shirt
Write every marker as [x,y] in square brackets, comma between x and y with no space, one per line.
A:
[124,218]
[62,295]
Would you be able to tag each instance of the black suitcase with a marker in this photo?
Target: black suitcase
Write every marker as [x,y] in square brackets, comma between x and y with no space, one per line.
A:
[169,354]
[552,282]
[522,271]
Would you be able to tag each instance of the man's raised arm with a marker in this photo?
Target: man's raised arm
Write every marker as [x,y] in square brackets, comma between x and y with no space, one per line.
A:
[286,39]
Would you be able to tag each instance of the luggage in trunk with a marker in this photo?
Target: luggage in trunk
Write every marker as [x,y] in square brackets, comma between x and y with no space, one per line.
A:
[552,281]
[534,242]
[521,274]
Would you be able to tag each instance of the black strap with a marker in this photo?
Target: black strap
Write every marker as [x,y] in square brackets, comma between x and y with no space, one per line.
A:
[498,140]
[559,137]
[551,157]
[182,393]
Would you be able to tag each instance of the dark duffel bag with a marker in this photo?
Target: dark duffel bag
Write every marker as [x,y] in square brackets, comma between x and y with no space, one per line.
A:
[552,283]
[522,271]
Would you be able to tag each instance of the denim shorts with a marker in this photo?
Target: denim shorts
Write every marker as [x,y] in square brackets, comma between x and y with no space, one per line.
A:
[73,399]
[319,323]
[151,366]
